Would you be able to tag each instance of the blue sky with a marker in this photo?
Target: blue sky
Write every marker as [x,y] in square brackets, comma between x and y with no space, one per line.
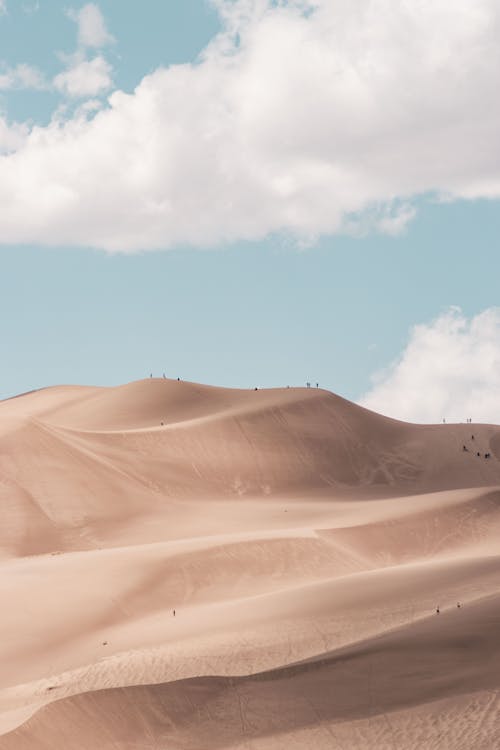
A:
[321,277]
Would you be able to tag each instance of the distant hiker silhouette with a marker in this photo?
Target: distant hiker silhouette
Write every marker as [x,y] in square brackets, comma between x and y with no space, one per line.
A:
[478,454]
[173,612]
[472,437]
[437,610]
[464,447]
[458,605]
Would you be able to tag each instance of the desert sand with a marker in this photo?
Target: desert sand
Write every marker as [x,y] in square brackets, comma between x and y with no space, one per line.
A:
[304,543]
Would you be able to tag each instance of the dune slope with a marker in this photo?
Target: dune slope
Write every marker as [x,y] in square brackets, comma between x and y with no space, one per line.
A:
[198,567]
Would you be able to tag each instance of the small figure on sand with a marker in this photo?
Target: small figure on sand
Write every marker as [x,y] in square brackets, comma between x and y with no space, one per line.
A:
[472,437]
[464,447]
[458,605]
[478,454]
[437,610]
[173,612]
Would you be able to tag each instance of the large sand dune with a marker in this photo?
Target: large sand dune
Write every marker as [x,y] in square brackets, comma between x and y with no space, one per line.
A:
[304,544]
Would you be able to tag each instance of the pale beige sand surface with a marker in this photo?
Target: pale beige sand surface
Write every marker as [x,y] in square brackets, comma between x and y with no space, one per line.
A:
[304,543]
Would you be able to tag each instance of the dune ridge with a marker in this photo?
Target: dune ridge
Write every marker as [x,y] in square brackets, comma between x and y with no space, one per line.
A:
[304,543]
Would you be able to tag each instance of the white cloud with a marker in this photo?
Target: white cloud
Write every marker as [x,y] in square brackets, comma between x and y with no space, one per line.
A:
[12,136]
[85,78]
[304,117]
[92,31]
[449,369]
[22,76]
[394,222]
[3,7]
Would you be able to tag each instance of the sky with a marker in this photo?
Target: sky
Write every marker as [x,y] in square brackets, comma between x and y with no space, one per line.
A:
[254,193]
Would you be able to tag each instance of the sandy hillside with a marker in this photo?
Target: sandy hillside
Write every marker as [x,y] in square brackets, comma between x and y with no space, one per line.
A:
[304,544]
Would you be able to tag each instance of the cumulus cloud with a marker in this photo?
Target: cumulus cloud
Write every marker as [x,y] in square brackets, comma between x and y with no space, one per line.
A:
[12,136]
[449,369]
[304,117]
[92,31]
[22,76]
[85,78]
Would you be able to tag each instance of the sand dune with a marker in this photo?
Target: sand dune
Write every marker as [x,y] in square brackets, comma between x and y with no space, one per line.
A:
[303,542]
